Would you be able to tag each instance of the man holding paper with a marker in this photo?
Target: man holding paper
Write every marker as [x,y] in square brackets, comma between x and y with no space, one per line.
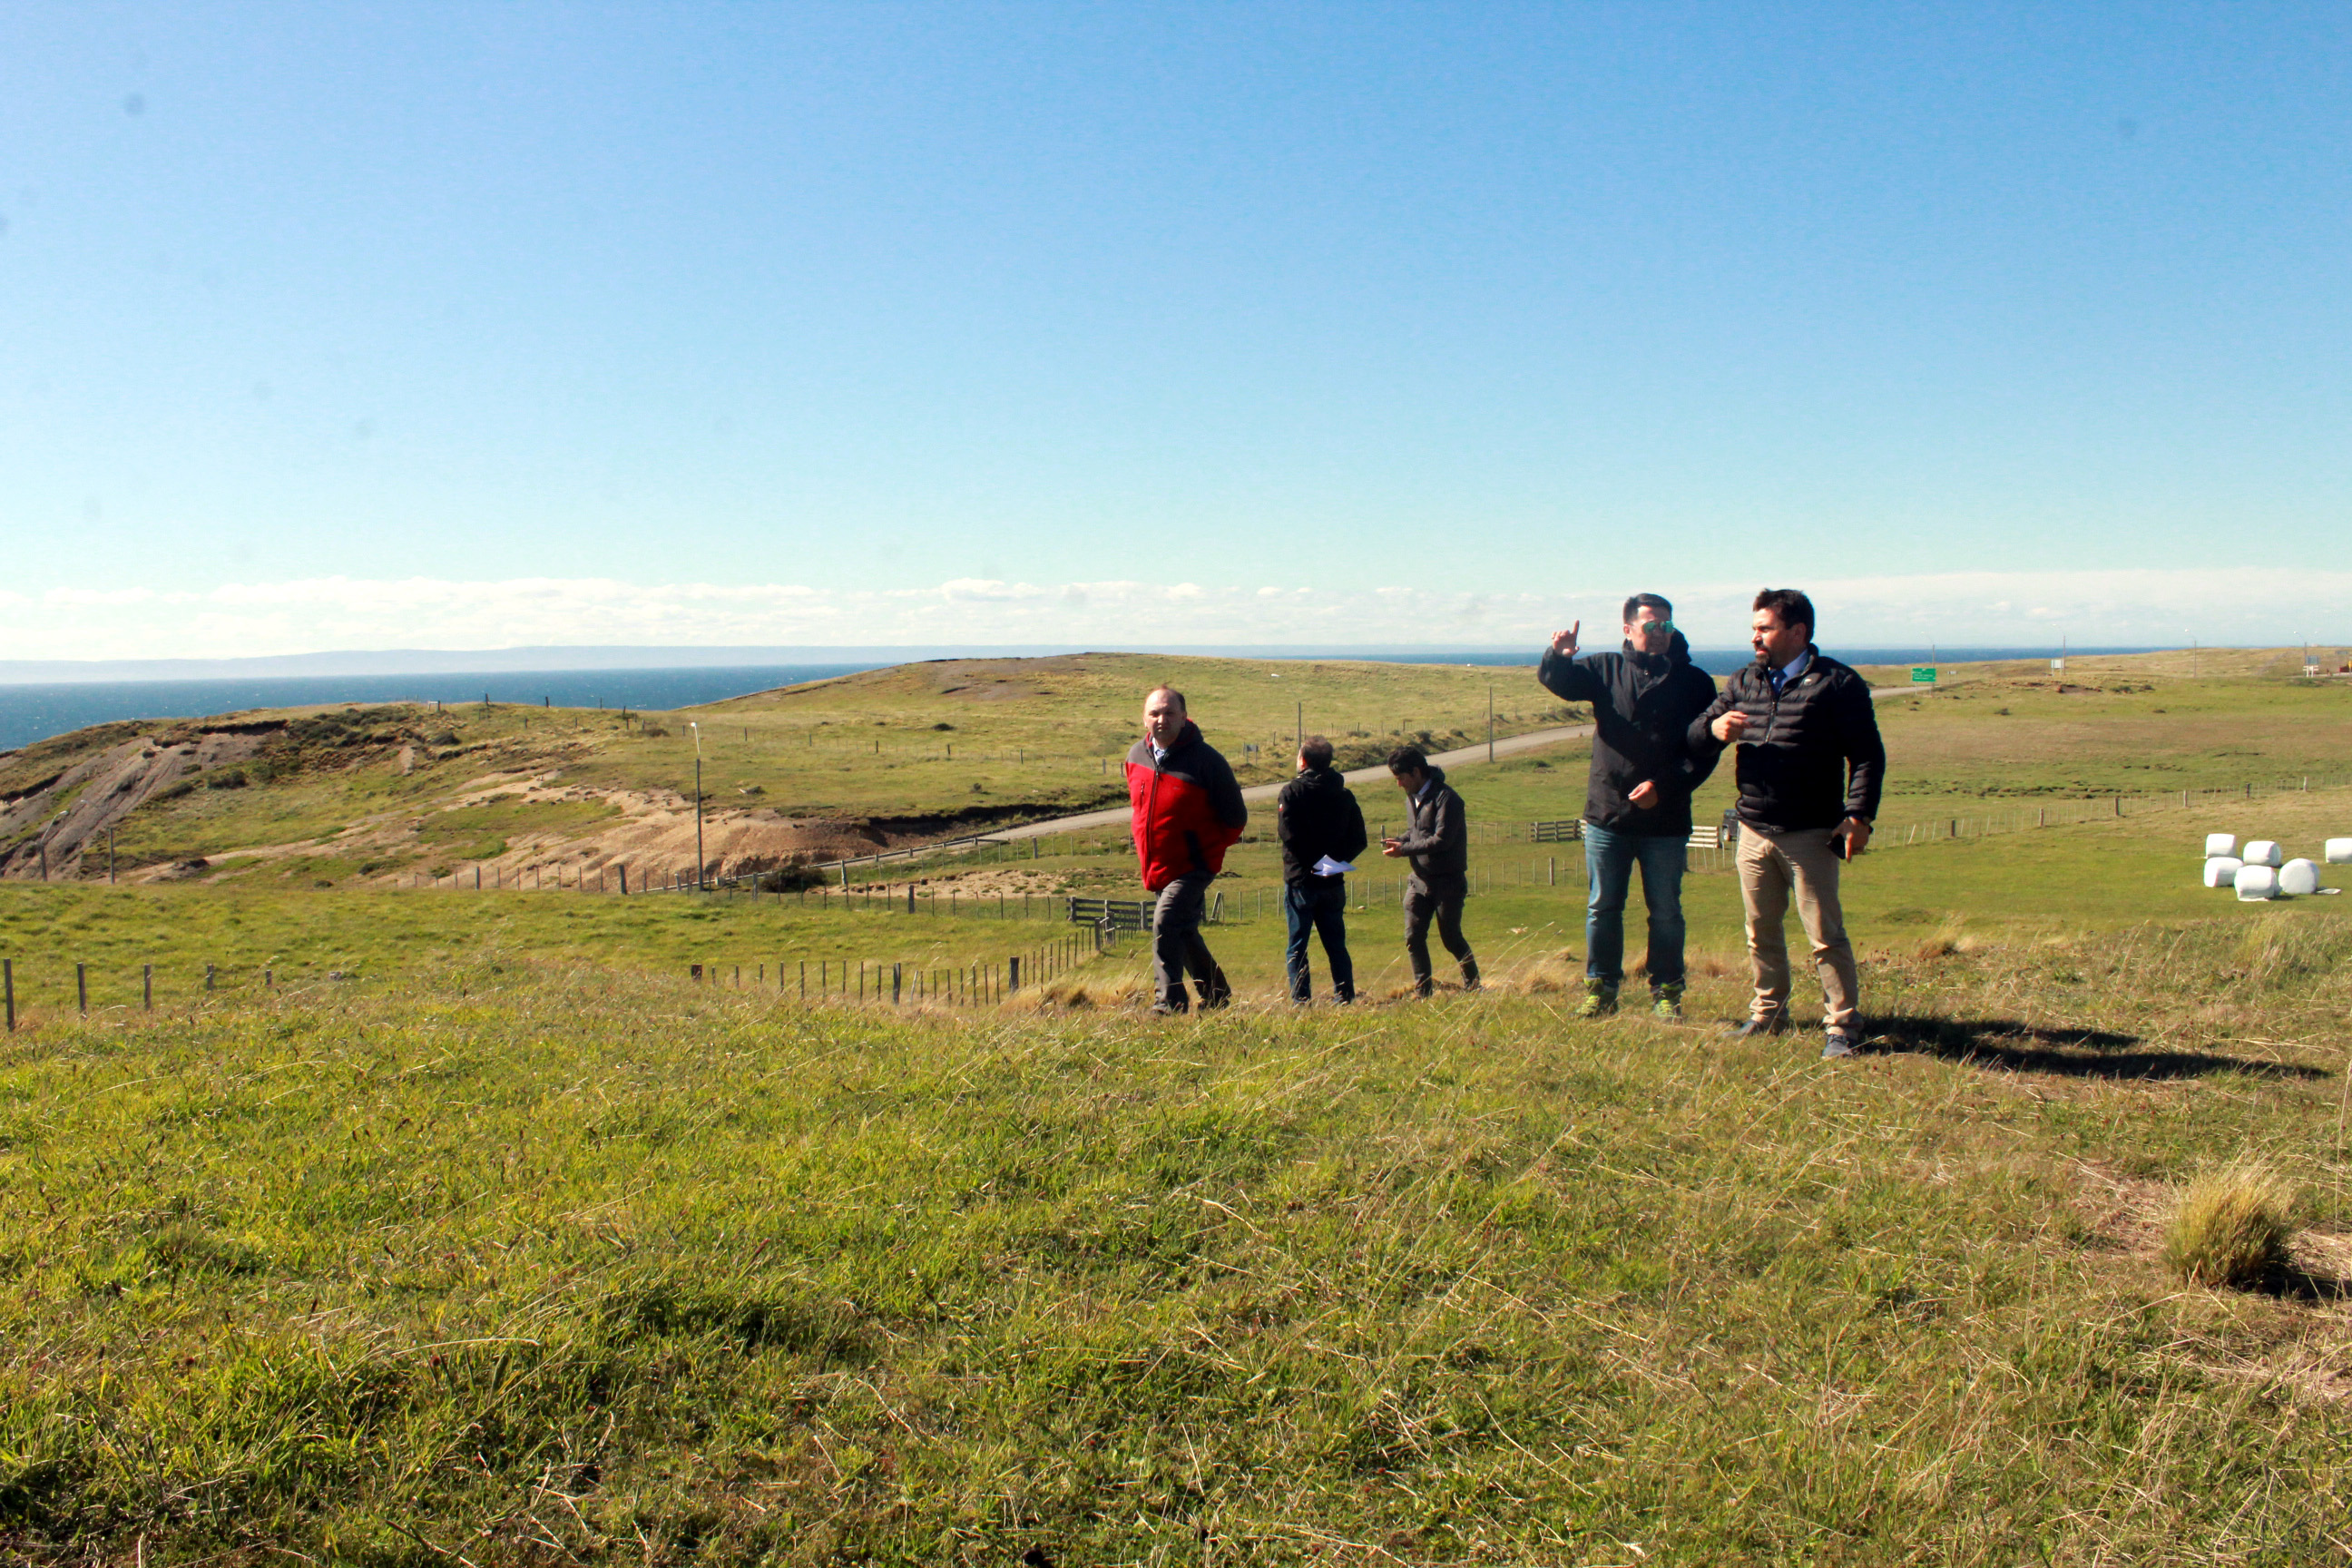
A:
[1322,832]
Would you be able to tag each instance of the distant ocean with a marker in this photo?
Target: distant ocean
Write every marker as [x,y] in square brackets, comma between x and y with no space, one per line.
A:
[30,712]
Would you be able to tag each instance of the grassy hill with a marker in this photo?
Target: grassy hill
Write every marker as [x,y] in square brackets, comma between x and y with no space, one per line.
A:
[537,1266]
[402,796]
[479,1232]
[395,795]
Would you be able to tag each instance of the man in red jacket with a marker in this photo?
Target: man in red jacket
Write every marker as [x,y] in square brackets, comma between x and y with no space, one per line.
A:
[1188,812]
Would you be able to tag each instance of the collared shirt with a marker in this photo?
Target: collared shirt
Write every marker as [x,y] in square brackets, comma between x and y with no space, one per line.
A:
[1159,754]
[1786,676]
[1427,783]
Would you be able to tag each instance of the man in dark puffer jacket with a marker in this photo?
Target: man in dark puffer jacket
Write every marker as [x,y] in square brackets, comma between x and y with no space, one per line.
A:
[1810,767]
[1637,803]
[1316,817]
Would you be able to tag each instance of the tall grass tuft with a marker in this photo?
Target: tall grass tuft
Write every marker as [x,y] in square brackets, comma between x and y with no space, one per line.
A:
[2233,1227]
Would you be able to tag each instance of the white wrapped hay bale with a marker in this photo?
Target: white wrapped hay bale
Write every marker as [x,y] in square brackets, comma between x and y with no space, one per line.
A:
[2339,851]
[2219,844]
[2299,879]
[2262,852]
[2222,871]
[2257,882]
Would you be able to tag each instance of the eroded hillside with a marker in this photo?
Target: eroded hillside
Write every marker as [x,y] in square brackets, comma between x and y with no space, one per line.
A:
[402,794]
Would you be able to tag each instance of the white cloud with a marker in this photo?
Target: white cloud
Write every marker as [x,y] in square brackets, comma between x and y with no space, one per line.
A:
[2133,605]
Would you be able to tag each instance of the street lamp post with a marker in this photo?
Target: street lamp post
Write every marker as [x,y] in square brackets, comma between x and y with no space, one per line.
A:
[697,803]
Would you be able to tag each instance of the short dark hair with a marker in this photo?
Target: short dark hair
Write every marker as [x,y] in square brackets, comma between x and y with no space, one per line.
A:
[1408,760]
[1793,608]
[1315,751]
[1640,602]
[1172,692]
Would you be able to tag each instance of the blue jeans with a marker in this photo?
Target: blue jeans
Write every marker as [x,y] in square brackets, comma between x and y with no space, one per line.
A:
[1321,908]
[1610,858]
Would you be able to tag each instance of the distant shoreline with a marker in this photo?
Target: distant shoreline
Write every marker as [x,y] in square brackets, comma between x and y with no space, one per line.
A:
[619,659]
[35,709]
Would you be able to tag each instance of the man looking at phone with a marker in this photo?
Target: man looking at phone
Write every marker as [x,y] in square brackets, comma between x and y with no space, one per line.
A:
[1637,802]
[1810,764]
[1436,845]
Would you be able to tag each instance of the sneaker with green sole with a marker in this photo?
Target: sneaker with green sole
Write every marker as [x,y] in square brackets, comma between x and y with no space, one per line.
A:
[1600,1000]
[1666,1002]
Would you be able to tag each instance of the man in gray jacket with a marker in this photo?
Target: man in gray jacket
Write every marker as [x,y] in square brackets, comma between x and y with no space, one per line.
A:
[1436,843]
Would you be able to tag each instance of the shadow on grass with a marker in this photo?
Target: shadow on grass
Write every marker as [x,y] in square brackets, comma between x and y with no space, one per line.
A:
[2295,1284]
[2068,1053]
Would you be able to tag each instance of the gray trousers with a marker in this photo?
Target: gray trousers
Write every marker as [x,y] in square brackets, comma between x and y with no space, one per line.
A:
[1176,947]
[1443,904]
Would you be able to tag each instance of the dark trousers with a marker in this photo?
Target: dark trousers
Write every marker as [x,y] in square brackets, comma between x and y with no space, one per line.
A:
[1442,904]
[1320,906]
[1176,947]
[1610,858]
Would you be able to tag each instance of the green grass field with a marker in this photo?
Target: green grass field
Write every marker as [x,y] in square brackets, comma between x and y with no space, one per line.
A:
[515,1246]
[573,1265]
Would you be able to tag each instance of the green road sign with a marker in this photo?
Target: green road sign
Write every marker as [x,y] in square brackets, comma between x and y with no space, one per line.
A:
[1923,675]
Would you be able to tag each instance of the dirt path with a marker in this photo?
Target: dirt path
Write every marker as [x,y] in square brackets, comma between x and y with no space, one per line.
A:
[1461,757]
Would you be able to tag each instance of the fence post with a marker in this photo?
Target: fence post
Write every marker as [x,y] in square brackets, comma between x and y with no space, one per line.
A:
[694,971]
[81,988]
[1013,973]
[895,982]
[208,976]
[9,989]
[147,986]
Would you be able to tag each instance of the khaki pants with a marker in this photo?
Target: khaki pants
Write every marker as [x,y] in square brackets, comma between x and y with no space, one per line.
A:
[1771,865]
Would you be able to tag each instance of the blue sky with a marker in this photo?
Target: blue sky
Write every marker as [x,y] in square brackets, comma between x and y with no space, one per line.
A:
[329,325]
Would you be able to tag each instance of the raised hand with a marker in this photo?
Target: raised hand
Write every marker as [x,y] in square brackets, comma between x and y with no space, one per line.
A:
[1564,642]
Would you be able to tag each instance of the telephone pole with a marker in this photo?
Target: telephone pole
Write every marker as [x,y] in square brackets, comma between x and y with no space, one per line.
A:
[697,803]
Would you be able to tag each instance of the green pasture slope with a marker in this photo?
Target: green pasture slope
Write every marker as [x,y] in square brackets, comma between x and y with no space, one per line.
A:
[519,1248]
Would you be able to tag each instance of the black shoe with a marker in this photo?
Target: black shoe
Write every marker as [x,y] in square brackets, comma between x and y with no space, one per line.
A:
[1469,974]
[1777,1024]
[1839,1042]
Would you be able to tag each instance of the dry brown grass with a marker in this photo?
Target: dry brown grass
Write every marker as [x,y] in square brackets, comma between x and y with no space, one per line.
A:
[2233,1226]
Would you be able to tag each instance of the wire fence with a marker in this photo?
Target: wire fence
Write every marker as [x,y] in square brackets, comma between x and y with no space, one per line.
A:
[112,991]
[1981,823]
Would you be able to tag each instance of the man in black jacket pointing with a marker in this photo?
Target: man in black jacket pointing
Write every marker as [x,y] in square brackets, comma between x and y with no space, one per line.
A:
[1637,806]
